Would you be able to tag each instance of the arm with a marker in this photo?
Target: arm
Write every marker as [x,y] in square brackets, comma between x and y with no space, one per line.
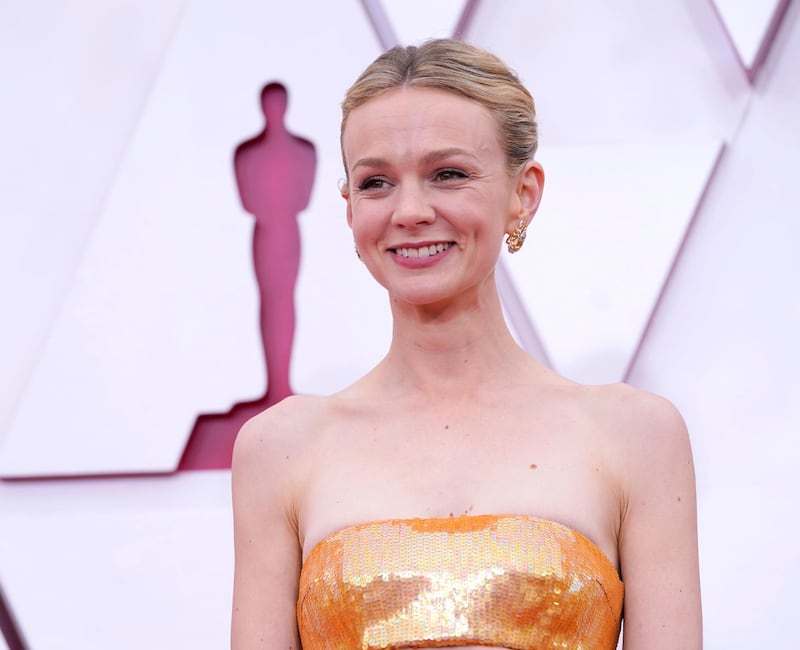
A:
[267,551]
[658,532]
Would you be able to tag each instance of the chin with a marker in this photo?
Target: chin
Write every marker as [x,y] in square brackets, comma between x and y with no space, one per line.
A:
[427,297]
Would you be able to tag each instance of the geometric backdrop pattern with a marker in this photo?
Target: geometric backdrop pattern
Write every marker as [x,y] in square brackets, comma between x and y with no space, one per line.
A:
[662,255]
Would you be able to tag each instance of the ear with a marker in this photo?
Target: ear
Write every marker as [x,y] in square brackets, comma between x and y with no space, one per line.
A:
[344,190]
[530,183]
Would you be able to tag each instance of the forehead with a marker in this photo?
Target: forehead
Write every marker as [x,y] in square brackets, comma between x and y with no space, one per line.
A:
[419,118]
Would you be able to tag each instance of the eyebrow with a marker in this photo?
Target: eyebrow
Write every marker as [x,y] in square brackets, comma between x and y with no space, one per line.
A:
[428,158]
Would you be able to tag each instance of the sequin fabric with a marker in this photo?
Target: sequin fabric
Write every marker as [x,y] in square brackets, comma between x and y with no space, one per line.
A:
[497,580]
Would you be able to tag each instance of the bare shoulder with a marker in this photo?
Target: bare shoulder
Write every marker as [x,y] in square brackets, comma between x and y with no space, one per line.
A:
[287,417]
[640,422]
[270,455]
[285,427]
[657,537]
[632,401]
[646,444]
[269,467]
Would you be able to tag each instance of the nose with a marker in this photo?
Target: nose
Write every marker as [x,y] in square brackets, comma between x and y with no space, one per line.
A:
[412,207]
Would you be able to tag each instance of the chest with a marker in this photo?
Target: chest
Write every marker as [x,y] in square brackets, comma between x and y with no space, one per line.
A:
[442,467]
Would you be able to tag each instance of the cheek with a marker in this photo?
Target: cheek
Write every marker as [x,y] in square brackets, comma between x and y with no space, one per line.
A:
[367,240]
[359,225]
[365,220]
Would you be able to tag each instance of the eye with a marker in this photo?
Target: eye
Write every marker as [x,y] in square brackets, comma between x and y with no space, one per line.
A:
[450,174]
[372,183]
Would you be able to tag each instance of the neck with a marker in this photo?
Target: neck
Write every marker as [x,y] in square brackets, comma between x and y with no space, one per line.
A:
[451,349]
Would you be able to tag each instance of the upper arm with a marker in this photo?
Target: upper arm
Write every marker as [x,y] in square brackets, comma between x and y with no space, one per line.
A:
[658,533]
[266,546]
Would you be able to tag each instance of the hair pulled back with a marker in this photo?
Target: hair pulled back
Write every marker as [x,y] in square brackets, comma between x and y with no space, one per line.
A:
[456,67]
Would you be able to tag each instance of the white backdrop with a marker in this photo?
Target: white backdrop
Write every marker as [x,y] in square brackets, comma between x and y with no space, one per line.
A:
[663,254]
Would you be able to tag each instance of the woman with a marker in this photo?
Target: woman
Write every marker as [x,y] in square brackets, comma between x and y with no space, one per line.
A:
[460,494]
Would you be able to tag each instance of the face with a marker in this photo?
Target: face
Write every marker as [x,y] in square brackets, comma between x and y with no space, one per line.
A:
[429,195]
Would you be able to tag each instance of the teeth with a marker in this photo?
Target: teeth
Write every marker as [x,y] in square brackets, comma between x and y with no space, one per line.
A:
[422,251]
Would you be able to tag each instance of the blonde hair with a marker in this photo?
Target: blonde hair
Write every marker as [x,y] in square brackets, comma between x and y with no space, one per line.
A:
[456,67]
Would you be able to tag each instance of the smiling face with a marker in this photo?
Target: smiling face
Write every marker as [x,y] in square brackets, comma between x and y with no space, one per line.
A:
[429,195]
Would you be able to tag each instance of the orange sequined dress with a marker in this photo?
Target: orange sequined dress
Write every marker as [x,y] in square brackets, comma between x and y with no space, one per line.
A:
[507,581]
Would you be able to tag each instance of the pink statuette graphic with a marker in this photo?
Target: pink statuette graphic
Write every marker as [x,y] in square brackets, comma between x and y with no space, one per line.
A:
[275,175]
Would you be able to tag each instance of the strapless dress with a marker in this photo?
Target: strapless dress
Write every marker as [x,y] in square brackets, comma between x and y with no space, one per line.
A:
[507,581]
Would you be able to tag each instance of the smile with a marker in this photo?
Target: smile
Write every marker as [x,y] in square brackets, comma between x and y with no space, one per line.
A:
[422,251]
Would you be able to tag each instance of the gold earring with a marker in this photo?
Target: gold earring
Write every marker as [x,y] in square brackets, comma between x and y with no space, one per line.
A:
[517,238]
